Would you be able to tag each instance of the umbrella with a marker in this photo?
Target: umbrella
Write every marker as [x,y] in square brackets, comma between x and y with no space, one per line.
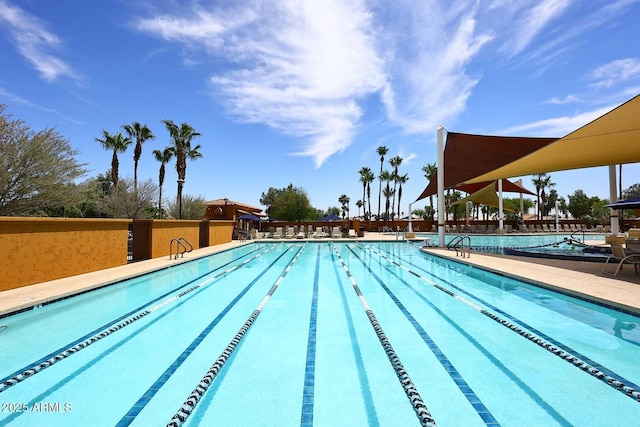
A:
[249,217]
[332,217]
[633,203]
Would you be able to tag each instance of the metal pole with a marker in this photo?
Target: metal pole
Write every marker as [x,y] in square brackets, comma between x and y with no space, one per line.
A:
[615,222]
[410,215]
[557,218]
[500,207]
[441,218]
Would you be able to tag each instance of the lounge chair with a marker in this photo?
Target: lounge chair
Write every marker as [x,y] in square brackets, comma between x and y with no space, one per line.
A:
[336,233]
[620,255]
[278,233]
[319,233]
[288,233]
[352,233]
[310,231]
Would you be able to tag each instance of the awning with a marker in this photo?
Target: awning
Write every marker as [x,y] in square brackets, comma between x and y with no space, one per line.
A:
[507,187]
[611,139]
[485,196]
[633,203]
[467,156]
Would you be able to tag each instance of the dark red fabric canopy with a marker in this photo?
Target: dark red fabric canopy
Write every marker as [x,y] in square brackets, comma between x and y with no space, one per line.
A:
[467,156]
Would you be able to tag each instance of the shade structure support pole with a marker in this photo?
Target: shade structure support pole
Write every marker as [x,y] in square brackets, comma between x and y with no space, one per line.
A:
[441,216]
[500,207]
[410,230]
[615,222]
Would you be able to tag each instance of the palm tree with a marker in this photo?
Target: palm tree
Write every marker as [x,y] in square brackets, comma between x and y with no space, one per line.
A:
[141,133]
[401,180]
[369,178]
[181,138]
[541,181]
[382,150]
[430,170]
[118,144]
[359,204]
[395,163]
[344,201]
[163,157]
[387,177]
[366,176]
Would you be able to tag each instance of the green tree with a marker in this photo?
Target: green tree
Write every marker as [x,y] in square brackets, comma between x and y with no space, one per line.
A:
[387,177]
[141,134]
[366,178]
[193,207]
[125,202]
[37,169]
[344,202]
[288,204]
[118,144]
[430,171]
[382,151]
[395,163]
[579,204]
[401,180]
[163,157]
[541,181]
[181,137]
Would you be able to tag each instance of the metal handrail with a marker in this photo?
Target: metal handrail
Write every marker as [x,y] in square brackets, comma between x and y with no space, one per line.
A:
[180,242]
[578,231]
[458,244]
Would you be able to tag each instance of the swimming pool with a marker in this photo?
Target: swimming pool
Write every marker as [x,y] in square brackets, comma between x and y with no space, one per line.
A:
[553,245]
[322,334]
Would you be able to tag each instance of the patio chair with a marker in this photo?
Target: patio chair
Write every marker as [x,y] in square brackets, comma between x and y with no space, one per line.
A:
[621,256]
[352,233]
[336,233]
[319,233]
[289,233]
[278,233]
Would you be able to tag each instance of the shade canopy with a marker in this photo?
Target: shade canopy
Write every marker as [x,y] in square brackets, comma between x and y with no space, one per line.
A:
[507,187]
[485,196]
[467,156]
[633,203]
[332,217]
[250,217]
[611,139]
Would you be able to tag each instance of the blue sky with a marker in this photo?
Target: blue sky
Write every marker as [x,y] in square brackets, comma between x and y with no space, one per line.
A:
[303,92]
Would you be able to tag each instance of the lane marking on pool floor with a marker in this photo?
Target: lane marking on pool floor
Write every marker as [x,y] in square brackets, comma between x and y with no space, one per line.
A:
[190,403]
[482,411]
[308,390]
[75,347]
[621,384]
[532,394]
[420,408]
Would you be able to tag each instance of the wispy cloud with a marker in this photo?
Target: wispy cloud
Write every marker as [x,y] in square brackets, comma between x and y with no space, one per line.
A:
[532,22]
[620,71]
[558,126]
[19,100]
[34,42]
[300,68]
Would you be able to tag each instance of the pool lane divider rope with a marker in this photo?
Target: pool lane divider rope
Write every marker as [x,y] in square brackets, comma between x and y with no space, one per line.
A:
[482,411]
[190,403]
[75,347]
[420,408]
[619,383]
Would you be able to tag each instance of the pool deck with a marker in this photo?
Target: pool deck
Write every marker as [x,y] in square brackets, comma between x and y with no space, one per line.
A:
[578,278]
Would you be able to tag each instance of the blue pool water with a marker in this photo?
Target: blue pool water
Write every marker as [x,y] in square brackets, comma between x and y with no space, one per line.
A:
[320,334]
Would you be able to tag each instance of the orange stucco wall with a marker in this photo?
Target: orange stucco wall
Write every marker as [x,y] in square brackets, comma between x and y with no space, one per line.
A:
[220,232]
[163,231]
[35,250]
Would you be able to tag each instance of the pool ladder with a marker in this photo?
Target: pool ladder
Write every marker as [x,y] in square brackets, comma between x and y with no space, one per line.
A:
[181,243]
[458,245]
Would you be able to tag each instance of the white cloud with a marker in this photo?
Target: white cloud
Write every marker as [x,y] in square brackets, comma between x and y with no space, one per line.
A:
[616,72]
[558,126]
[34,42]
[561,101]
[300,67]
[532,23]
